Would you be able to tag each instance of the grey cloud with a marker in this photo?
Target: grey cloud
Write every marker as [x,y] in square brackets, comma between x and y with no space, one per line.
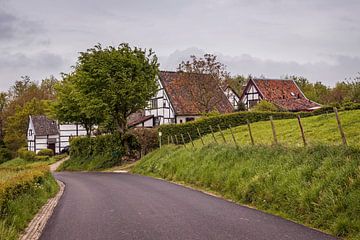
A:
[329,73]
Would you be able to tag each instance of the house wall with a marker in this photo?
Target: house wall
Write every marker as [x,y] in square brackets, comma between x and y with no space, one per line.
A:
[41,142]
[31,137]
[251,96]
[232,97]
[67,131]
[164,112]
[183,119]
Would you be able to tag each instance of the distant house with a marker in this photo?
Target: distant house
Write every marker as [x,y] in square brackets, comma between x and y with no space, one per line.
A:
[285,94]
[178,99]
[45,133]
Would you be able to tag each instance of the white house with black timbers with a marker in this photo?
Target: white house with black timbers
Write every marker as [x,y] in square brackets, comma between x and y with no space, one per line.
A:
[45,133]
[175,101]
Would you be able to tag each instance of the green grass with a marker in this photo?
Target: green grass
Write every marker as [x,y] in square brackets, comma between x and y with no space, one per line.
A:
[318,186]
[24,188]
[321,129]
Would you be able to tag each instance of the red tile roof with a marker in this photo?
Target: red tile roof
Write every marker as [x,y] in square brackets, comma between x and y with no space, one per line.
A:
[284,93]
[187,90]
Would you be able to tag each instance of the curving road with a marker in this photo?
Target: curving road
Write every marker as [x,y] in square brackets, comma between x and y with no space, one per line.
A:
[124,206]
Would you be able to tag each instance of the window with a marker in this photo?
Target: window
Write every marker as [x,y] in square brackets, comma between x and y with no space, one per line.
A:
[30,132]
[189,119]
[153,104]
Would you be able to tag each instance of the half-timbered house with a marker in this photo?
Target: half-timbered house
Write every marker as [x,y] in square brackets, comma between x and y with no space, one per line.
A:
[182,97]
[285,94]
[45,133]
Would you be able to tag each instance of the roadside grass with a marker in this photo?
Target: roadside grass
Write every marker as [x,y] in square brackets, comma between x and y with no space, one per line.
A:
[24,188]
[318,186]
[124,167]
[321,129]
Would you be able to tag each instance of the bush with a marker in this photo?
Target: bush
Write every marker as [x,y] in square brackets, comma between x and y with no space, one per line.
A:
[46,152]
[5,155]
[93,153]
[23,190]
[26,155]
[147,138]
[42,158]
[351,106]
[224,121]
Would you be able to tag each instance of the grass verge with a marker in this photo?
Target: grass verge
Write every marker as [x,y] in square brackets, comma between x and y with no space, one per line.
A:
[24,190]
[318,186]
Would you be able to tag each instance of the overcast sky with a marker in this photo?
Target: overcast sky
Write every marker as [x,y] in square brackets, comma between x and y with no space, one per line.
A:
[318,39]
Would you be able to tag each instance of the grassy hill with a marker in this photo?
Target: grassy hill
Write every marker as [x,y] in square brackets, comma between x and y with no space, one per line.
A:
[318,185]
[321,129]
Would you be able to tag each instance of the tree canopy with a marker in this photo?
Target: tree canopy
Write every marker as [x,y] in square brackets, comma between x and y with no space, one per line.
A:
[111,82]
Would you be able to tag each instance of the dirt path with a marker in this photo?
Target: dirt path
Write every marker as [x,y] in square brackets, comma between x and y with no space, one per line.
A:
[54,166]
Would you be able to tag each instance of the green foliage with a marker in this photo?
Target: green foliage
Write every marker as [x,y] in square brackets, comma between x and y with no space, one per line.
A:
[45,152]
[147,138]
[118,79]
[224,121]
[5,155]
[73,106]
[23,190]
[26,155]
[265,106]
[17,124]
[317,186]
[95,153]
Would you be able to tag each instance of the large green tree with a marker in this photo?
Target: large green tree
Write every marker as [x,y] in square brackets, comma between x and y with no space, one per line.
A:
[122,79]
[73,106]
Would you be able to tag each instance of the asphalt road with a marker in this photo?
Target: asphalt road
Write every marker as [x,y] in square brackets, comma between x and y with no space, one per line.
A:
[123,206]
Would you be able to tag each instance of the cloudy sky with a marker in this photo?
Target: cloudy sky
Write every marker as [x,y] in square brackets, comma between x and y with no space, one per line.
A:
[318,39]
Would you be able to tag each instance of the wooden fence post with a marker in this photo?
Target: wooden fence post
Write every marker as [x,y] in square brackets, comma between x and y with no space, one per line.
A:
[191,139]
[202,141]
[172,139]
[250,133]
[302,130]
[222,135]
[233,136]
[273,130]
[340,127]
[212,133]
[168,138]
[183,140]
[176,139]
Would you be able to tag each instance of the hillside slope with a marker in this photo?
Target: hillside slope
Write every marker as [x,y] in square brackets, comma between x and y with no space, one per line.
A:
[318,129]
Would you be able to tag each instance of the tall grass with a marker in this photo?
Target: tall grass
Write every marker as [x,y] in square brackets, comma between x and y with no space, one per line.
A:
[318,186]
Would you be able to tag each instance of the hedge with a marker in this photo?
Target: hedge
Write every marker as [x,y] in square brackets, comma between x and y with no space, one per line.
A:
[46,152]
[21,181]
[224,121]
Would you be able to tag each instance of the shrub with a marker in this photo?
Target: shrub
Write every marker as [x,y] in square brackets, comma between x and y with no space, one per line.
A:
[224,121]
[351,106]
[92,153]
[324,110]
[46,152]
[42,158]
[147,138]
[5,155]
[26,155]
